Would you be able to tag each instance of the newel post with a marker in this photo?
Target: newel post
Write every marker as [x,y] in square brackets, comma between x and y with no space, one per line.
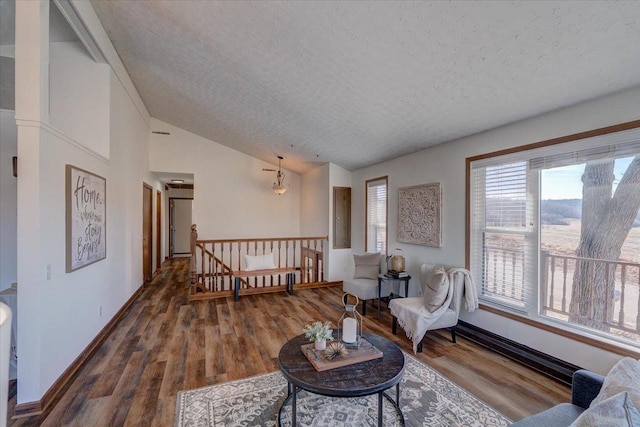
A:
[193,238]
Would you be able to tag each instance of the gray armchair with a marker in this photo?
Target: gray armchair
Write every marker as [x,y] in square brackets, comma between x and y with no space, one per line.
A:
[365,282]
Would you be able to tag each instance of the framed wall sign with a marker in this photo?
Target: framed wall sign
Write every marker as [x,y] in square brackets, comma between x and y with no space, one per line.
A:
[86,218]
[419,215]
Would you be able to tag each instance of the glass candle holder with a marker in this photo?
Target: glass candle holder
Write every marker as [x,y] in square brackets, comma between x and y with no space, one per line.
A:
[350,323]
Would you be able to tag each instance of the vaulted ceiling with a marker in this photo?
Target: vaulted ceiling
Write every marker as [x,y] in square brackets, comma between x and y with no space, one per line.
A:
[356,83]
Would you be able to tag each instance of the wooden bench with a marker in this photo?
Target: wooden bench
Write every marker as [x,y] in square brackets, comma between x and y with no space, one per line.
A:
[242,274]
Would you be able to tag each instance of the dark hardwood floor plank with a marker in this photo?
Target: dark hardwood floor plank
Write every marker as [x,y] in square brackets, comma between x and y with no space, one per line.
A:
[146,396]
[165,344]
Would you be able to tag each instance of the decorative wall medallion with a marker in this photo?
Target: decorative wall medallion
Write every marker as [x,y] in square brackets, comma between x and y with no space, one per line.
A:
[419,213]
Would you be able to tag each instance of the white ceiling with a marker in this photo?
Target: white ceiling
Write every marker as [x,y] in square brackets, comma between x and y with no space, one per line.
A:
[356,83]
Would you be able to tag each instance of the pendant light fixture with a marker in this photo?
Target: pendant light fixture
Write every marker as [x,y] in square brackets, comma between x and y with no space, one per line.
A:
[278,187]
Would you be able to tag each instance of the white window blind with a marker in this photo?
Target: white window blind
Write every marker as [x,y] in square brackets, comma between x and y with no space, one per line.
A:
[501,231]
[578,156]
[377,216]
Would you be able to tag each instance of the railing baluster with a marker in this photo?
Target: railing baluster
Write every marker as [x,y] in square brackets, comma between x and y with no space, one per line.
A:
[522,261]
[552,285]
[229,282]
[504,273]
[214,268]
[202,265]
[321,267]
[607,294]
[623,282]
[513,274]
[279,260]
[223,256]
[209,274]
[495,272]
[271,250]
[591,271]
[212,271]
[564,284]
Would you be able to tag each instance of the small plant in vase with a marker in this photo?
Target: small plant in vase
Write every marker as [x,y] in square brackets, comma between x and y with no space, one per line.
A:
[319,332]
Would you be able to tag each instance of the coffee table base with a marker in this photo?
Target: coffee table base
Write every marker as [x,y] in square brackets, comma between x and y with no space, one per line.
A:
[292,393]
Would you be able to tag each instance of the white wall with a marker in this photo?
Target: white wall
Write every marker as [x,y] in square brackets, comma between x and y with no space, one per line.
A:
[316,215]
[314,202]
[314,207]
[8,199]
[446,164]
[232,194]
[95,293]
[340,265]
[58,317]
[74,75]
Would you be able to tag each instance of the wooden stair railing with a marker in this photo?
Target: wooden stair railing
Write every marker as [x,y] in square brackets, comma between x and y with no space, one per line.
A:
[213,263]
[220,268]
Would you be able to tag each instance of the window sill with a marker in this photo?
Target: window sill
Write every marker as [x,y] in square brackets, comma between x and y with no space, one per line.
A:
[599,342]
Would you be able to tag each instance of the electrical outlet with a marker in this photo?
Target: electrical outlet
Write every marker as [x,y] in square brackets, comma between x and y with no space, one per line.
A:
[48,271]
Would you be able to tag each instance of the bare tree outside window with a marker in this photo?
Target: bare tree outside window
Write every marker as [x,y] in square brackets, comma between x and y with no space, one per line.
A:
[607,218]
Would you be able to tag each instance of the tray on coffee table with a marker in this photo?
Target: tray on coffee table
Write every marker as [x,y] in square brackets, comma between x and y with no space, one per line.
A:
[366,351]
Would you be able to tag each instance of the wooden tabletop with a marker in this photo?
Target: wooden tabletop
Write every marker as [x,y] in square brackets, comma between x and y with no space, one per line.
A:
[360,379]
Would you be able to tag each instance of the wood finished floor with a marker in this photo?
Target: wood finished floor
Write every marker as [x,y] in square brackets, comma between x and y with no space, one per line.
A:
[165,344]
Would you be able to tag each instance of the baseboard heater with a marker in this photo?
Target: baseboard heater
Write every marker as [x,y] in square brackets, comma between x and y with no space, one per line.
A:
[550,366]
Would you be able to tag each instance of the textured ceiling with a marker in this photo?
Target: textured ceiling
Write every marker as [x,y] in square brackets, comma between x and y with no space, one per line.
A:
[356,83]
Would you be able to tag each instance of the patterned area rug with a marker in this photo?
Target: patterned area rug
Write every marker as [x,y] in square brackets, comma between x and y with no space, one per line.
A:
[426,398]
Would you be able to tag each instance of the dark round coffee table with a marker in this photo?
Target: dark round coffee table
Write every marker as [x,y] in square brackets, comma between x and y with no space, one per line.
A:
[359,379]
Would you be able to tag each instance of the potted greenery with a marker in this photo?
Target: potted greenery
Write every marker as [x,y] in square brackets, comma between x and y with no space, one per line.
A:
[319,332]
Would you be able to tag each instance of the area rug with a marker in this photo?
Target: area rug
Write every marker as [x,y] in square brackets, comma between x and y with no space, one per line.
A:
[426,398]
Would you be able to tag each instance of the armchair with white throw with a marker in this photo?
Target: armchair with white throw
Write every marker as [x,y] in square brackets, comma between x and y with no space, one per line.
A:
[443,293]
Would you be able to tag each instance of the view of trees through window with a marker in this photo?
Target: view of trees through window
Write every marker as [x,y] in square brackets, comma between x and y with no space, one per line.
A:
[555,232]
[590,244]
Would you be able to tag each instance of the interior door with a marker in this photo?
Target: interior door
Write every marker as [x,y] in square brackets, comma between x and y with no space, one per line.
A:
[180,218]
[158,230]
[147,231]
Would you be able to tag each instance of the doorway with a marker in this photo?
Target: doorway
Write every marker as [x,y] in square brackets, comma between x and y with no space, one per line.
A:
[158,229]
[180,210]
[147,231]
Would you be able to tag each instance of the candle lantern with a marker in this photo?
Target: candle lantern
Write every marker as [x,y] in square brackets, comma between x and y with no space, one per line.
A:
[397,261]
[350,323]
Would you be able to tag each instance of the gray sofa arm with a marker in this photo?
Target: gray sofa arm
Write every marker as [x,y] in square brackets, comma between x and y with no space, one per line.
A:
[585,387]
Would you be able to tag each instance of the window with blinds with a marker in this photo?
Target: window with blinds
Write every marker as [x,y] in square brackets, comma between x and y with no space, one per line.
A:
[501,231]
[554,232]
[376,202]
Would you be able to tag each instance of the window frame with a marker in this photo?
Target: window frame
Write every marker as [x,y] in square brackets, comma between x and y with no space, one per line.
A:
[538,321]
[366,212]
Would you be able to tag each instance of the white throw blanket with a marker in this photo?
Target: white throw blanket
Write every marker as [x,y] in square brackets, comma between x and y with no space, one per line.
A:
[414,317]
[470,291]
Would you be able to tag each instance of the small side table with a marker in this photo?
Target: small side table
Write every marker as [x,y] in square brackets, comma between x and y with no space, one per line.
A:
[382,277]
